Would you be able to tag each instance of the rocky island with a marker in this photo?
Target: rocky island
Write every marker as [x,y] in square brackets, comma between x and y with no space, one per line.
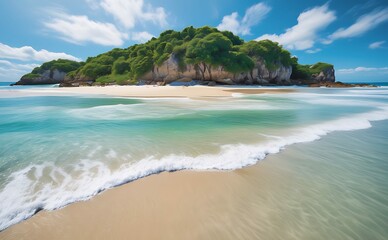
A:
[205,55]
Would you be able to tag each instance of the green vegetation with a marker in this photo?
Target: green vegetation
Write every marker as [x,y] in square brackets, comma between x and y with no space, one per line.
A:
[60,64]
[30,76]
[120,79]
[203,47]
[300,71]
[319,67]
[270,52]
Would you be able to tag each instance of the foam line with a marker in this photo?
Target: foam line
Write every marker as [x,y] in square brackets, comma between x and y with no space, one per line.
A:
[20,200]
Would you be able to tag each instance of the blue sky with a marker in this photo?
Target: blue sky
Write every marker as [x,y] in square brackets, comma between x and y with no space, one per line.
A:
[351,34]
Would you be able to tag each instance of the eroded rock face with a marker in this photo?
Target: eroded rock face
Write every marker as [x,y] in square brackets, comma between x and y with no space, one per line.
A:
[169,72]
[326,75]
[47,77]
[79,81]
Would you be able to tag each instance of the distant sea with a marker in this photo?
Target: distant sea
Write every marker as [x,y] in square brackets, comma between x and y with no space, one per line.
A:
[7,85]
[55,150]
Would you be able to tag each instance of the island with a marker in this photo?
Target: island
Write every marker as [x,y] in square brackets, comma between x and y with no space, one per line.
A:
[203,55]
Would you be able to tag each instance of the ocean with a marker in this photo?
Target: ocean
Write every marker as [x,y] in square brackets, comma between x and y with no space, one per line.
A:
[56,150]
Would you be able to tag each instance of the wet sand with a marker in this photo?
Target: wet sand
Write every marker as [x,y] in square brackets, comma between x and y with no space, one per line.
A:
[177,205]
[303,192]
[158,91]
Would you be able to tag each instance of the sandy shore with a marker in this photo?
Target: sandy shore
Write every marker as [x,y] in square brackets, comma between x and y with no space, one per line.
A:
[178,205]
[158,91]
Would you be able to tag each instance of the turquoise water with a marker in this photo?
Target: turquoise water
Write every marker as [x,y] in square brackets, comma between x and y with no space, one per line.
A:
[56,150]
[334,188]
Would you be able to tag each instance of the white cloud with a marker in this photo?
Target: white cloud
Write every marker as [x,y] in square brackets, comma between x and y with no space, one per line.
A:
[230,23]
[80,29]
[311,51]
[375,45]
[27,53]
[141,37]
[252,17]
[362,69]
[21,67]
[362,25]
[128,12]
[11,72]
[304,35]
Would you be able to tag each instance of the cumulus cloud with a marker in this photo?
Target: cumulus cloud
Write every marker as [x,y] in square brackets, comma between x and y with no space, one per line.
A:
[303,35]
[230,23]
[17,67]
[128,12]
[376,45]
[362,25]
[252,17]
[362,69]
[11,72]
[141,37]
[80,29]
[27,53]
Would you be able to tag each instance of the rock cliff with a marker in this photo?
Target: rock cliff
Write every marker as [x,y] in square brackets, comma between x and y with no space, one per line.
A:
[47,77]
[207,55]
[170,71]
[326,75]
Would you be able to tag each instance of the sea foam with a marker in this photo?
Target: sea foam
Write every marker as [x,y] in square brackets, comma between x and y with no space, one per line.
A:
[31,189]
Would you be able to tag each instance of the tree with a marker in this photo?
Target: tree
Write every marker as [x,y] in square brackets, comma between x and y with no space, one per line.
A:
[270,52]
[236,40]
[63,65]
[120,66]
[203,47]
[211,51]
[239,62]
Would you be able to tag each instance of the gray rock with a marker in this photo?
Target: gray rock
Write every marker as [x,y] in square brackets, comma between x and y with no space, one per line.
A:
[227,81]
[169,72]
[47,77]
[327,75]
[211,83]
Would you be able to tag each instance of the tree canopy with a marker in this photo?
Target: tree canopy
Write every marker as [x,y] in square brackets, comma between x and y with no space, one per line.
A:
[301,72]
[60,64]
[203,47]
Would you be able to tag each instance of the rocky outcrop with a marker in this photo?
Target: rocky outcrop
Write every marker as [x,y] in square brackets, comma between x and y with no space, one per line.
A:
[340,85]
[170,71]
[76,84]
[326,75]
[79,81]
[47,77]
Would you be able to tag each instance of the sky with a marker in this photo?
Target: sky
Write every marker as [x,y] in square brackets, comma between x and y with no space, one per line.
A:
[351,34]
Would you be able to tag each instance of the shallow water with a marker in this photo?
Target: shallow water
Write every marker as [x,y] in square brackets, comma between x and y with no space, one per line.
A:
[334,188]
[59,149]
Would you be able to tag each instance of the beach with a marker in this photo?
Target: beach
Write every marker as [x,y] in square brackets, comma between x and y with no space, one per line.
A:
[277,198]
[193,163]
[190,120]
[149,91]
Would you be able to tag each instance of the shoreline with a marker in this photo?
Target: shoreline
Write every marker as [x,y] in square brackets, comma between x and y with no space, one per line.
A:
[172,203]
[191,204]
[42,214]
[161,183]
[159,91]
